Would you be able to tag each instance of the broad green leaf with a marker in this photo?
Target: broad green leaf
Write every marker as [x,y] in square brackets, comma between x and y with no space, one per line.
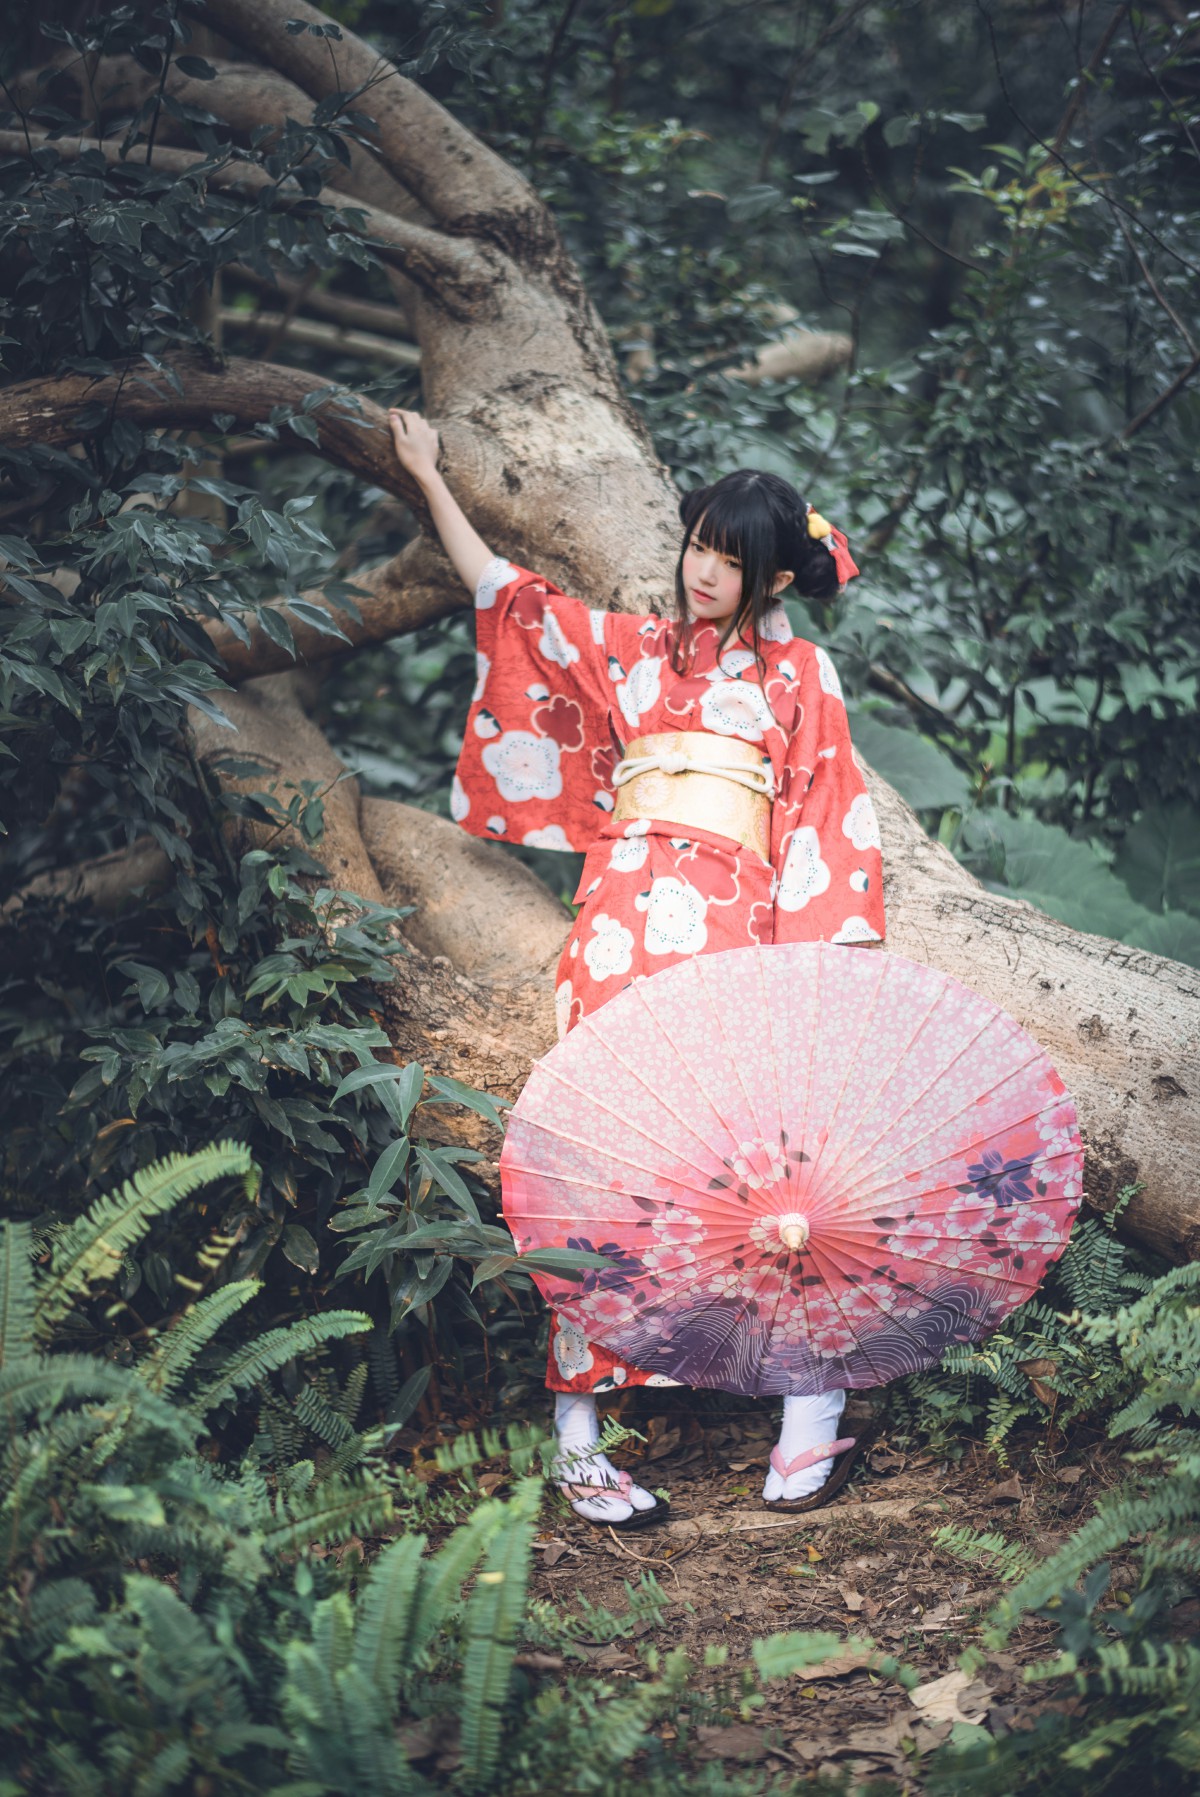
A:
[920,771]
[1159,858]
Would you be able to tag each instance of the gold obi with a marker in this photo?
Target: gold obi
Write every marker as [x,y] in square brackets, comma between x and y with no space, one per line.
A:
[717,783]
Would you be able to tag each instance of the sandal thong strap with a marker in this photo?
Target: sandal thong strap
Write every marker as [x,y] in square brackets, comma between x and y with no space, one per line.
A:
[580,1494]
[826,1450]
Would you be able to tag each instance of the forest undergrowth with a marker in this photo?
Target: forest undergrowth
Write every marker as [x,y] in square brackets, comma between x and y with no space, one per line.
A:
[272,1488]
[215,1579]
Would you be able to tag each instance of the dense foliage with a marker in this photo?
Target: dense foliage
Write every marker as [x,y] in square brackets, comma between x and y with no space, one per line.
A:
[197,1392]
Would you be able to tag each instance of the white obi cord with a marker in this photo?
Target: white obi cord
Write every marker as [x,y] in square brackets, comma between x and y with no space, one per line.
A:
[674,761]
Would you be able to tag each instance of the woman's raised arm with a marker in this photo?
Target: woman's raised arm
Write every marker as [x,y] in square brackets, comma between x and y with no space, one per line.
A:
[417,451]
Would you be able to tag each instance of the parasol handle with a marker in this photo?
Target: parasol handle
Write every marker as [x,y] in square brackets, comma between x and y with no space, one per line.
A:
[793,1231]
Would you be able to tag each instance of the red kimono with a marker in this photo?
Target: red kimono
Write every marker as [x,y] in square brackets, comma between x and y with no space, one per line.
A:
[560,690]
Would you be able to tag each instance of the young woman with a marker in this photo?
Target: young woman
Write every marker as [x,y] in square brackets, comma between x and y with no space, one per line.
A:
[704,763]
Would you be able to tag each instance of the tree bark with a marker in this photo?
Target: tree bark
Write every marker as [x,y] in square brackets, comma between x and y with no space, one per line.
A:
[544,451]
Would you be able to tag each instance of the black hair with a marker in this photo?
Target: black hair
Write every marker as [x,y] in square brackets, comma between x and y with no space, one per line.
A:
[760,521]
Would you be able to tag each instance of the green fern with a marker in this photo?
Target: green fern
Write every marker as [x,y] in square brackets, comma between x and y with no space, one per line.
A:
[175,1351]
[17,1297]
[494,1616]
[250,1364]
[91,1249]
[1006,1559]
[381,1637]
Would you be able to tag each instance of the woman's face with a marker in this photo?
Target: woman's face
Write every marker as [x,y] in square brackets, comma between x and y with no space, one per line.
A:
[712,582]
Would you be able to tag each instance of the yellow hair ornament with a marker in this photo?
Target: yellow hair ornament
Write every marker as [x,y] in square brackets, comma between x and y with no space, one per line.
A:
[817,527]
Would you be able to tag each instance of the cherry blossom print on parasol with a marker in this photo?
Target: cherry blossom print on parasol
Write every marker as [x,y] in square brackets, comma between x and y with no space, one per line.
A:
[810,1167]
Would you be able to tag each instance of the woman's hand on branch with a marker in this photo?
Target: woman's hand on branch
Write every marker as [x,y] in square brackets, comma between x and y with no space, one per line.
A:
[417,452]
[416,443]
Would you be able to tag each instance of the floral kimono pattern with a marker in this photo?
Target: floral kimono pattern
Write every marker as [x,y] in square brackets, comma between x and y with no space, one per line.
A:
[560,690]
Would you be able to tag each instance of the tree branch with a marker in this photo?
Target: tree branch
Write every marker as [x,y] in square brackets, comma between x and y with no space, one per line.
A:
[445,267]
[279,327]
[800,356]
[1160,400]
[352,432]
[415,587]
[340,308]
[464,184]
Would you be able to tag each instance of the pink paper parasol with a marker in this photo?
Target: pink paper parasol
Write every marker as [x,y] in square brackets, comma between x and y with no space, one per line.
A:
[810,1167]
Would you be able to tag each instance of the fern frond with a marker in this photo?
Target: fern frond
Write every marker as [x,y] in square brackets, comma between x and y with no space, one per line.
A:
[444,1576]
[331,1514]
[384,1613]
[250,1364]
[176,1349]
[320,1418]
[42,1384]
[495,1612]
[91,1248]
[1007,1559]
[16,1292]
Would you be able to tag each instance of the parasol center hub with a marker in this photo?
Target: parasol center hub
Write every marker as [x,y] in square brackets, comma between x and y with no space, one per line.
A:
[793,1231]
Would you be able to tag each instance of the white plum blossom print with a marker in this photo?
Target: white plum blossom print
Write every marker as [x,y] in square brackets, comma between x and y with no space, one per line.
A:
[733,663]
[483,668]
[486,725]
[860,824]
[555,644]
[524,766]
[827,674]
[759,1164]
[859,880]
[571,1350]
[497,825]
[856,929]
[496,575]
[668,1257]
[805,876]
[563,996]
[736,708]
[460,804]
[550,836]
[596,621]
[675,914]
[639,691]
[607,1310]
[628,854]
[774,627]
[677,1225]
[610,951]
[1027,1228]
[729,1284]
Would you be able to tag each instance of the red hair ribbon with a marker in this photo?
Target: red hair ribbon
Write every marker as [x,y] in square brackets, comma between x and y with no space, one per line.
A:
[835,541]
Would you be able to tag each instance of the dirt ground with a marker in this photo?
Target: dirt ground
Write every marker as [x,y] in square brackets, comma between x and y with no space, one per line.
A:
[865,1565]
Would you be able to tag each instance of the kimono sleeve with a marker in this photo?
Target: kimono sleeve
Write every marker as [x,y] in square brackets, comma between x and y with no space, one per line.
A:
[825,835]
[536,761]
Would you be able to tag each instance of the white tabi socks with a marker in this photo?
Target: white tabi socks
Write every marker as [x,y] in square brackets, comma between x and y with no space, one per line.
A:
[807,1423]
[578,1463]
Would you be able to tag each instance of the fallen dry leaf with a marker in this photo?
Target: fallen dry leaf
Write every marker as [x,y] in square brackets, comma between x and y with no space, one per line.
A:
[1037,1372]
[839,1664]
[852,1599]
[882,1739]
[955,1697]
[610,1658]
[1069,1475]
[490,1483]
[738,1741]
[552,1552]
[936,1618]
[1011,1491]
